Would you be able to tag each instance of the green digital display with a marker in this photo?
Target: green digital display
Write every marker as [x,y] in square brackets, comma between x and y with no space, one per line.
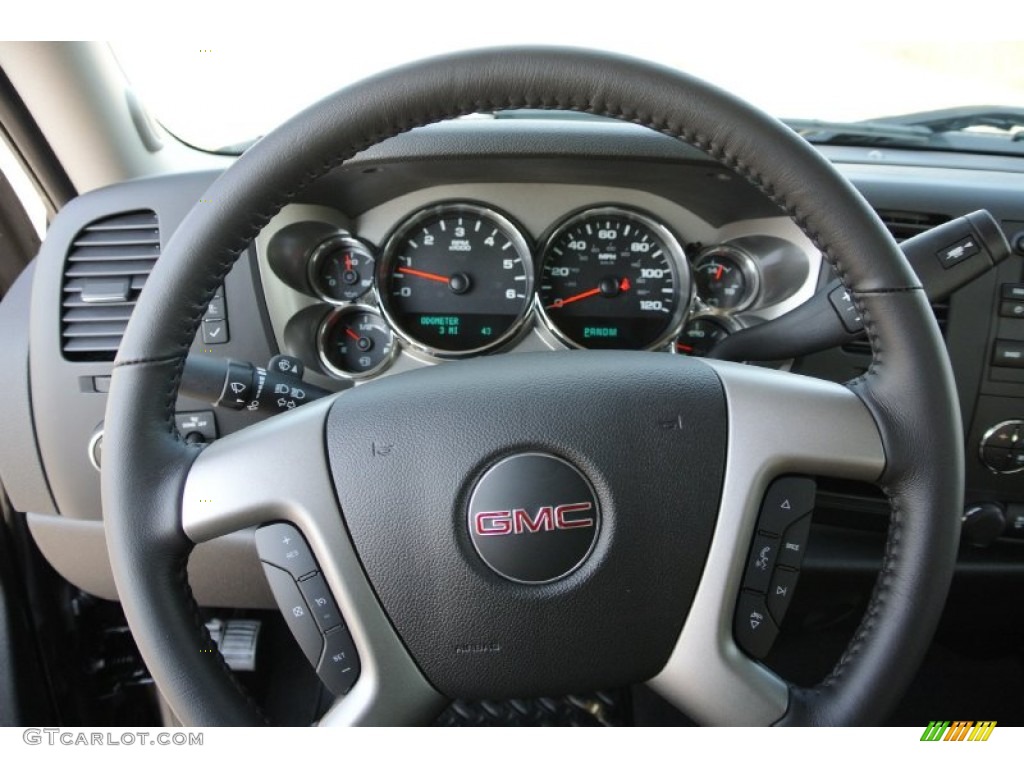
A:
[599,332]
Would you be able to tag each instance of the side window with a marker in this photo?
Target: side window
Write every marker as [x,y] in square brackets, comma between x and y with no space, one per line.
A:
[22,218]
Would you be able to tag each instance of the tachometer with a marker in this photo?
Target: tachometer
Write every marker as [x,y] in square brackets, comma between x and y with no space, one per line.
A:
[456,280]
[612,278]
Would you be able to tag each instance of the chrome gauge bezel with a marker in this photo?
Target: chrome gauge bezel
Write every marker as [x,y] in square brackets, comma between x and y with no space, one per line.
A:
[510,228]
[329,320]
[981,448]
[674,252]
[748,268]
[727,321]
[343,240]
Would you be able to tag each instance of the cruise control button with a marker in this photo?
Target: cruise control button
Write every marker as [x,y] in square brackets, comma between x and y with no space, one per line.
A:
[282,545]
[295,611]
[339,667]
[320,601]
[761,562]
[787,500]
[794,543]
[754,629]
[780,592]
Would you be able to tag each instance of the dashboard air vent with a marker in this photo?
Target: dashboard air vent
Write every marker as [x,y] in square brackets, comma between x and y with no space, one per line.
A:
[903,225]
[106,267]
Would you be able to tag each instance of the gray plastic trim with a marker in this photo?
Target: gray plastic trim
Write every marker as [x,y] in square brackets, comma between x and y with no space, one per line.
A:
[778,423]
[21,469]
[277,470]
[224,573]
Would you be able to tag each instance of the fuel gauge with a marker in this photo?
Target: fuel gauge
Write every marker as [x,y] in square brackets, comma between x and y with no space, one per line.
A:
[354,342]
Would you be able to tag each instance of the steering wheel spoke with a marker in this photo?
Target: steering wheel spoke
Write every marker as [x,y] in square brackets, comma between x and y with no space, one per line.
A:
[779,424]
[277,471]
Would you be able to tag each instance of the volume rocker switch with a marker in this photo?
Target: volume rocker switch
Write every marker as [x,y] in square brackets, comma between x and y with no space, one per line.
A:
[753,626]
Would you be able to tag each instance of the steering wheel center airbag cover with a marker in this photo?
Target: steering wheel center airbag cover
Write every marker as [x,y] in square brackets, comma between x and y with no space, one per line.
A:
[647,431]
[533,518]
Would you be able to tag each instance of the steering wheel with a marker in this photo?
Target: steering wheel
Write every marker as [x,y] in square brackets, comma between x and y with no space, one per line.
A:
[675,454]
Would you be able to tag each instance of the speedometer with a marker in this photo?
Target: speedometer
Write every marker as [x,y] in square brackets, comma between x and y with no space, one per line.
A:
[456,280]
[612,278]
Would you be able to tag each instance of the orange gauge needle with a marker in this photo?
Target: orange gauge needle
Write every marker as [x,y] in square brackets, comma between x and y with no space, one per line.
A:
[559,303]
[351,334]
[348,262]
[424,275]
[624,285]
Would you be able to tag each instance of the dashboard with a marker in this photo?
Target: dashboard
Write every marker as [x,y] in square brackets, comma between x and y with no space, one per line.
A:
[460,270]
[478,237]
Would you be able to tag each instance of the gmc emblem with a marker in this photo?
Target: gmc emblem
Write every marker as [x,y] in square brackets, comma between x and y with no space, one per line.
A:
[515,521]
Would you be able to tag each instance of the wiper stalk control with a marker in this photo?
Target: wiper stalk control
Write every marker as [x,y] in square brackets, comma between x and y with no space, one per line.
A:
[243,386]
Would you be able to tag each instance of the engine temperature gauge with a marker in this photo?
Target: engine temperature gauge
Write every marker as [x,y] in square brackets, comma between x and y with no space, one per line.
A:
[355,342]
[727,278]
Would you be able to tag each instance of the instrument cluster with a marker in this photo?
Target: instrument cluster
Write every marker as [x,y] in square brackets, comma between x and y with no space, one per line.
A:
[460,278]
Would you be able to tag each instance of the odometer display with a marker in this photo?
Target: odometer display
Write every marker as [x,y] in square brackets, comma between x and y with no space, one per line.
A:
[456,280]
[613,279]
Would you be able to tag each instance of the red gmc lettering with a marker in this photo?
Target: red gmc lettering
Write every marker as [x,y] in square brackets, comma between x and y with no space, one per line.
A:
[515,521]
[523,523]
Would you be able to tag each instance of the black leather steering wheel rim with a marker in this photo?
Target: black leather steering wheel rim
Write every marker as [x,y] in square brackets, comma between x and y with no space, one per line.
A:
[908,389]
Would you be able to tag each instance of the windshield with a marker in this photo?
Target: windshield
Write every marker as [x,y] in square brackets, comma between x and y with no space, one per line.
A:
[232,92]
